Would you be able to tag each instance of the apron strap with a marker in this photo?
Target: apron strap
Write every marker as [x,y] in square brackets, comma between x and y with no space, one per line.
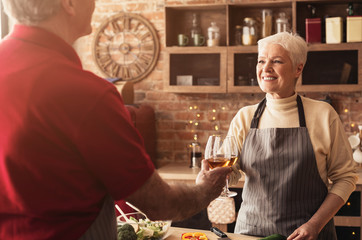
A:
[105,225]
[301,112]
[259,111]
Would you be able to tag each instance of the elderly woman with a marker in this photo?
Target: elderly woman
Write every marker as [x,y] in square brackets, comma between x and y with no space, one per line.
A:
[290,147]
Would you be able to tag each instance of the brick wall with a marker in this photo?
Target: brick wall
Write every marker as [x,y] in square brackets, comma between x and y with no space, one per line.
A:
[180,116]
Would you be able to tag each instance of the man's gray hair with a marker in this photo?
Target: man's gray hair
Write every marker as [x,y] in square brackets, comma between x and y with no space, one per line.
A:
[31,12]
[292,42]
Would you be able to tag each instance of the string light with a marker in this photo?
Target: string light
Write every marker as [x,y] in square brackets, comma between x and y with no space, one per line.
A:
[194,122]
[346,110]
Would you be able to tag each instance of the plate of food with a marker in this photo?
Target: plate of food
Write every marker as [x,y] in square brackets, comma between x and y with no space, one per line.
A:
[136,226]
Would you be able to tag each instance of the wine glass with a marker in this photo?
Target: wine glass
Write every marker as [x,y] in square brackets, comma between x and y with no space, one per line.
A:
[214,154]
[218,153]
[231,144]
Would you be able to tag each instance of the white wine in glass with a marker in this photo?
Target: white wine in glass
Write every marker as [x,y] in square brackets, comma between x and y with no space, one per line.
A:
[213,154]
[219,161]
[231,144]
[218,153]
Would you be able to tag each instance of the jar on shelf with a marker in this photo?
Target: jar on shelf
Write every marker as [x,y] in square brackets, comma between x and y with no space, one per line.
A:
[195,29]
[249,31]
[213,34]
[267,22]
[282,23]
[238,35]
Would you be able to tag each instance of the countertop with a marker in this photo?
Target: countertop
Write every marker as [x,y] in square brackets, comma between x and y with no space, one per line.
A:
[175,234]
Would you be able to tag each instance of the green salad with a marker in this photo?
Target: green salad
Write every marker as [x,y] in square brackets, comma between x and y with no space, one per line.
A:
[145,229]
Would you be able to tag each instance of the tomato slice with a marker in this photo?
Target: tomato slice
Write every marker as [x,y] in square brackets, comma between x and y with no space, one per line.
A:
[194,236]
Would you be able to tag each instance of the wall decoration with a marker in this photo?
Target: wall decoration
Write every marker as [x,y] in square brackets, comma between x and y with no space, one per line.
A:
[126,46]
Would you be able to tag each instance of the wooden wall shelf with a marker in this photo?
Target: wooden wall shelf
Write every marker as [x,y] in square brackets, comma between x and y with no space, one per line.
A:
[329,68]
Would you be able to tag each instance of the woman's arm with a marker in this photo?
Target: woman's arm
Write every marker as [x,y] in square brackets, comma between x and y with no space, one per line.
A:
[310,230]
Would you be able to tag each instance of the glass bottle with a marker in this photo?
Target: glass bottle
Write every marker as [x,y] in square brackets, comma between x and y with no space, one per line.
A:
[267,22]
[195,29]
[249,32]
[213,34]
[282,23]
[238,35]
[350,10]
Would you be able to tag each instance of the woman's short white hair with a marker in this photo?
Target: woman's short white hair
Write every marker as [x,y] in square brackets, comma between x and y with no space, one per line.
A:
[31,12]
[292,42]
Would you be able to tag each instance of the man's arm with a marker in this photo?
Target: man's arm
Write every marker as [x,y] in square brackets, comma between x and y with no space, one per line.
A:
[159,200]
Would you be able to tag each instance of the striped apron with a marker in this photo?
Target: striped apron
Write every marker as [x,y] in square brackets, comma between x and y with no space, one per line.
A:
[283,188]
[104,226]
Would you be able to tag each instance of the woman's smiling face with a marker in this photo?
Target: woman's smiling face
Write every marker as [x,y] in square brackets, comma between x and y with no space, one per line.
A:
[275,71]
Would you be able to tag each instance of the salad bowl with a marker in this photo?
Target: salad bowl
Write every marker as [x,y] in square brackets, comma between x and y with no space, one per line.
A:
[144,227]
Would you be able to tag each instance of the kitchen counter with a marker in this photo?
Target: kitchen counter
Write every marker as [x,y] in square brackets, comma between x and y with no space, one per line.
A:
[175,234]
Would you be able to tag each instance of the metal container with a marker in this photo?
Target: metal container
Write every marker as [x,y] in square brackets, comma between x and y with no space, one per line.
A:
[334,30]
[313,30]
[354,29]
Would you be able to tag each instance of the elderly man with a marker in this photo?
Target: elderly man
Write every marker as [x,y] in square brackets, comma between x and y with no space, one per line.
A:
[67,146]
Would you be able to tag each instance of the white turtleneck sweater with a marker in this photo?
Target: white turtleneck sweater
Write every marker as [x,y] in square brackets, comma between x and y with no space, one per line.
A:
[331,147]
